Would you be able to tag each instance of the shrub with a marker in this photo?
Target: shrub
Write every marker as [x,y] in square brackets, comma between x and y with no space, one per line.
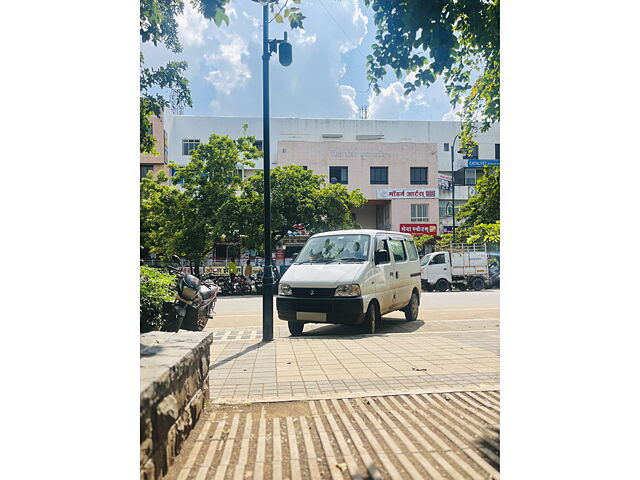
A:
[155,292]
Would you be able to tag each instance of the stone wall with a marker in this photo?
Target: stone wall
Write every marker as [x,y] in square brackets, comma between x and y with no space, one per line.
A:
[174,386]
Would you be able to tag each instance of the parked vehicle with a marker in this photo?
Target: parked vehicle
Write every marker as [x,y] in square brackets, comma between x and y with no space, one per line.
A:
[463,266]
[351,277]
[240,285]
[260,280]
[195,301]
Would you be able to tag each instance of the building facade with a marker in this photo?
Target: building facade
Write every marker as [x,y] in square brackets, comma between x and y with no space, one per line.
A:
[404,168]
[156,163]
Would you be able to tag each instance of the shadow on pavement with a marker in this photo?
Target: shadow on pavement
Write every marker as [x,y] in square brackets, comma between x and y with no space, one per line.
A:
[389,325]
[239,354]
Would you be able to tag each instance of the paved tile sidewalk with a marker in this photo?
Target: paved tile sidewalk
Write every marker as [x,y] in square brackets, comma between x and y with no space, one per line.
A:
[316,367]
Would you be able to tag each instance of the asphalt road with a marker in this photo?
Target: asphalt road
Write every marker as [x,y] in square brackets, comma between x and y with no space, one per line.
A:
[246,311]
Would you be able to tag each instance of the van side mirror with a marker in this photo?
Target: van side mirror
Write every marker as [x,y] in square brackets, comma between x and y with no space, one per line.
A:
[382,256]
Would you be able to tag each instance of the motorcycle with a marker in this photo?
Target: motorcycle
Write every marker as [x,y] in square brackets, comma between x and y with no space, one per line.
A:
[194,303]
[240,285]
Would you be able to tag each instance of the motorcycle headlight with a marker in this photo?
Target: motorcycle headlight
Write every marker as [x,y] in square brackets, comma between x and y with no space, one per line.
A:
[349,290]
[284,289]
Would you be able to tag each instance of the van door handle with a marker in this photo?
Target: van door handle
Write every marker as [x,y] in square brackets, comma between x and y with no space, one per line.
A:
[396,274]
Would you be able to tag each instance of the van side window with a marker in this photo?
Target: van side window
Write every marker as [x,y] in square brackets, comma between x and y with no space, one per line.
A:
[381,244]
[397,247]
[411,248]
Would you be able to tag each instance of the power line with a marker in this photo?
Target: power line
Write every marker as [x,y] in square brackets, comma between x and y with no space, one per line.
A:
[355,45]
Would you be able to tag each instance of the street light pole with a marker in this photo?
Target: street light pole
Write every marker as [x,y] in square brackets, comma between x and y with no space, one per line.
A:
[453,192]
[286,57]
[267,286]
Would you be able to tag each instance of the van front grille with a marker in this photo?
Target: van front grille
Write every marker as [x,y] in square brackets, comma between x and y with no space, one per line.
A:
[313,292]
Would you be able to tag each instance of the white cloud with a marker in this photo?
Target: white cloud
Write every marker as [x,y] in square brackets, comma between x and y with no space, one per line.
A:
[390,104]
[191,27]
[302,38]
[348,95]
[230,71]
[452,115]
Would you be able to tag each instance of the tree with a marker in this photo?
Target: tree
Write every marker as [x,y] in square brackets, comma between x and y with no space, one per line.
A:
[484,206]
[299,198]
[186,221]
[456,40]
[158,25]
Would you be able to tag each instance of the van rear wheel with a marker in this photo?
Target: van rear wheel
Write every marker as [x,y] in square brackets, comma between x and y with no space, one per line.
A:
[296,328]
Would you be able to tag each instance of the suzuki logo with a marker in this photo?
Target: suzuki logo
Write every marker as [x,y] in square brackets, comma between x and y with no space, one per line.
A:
[312,292]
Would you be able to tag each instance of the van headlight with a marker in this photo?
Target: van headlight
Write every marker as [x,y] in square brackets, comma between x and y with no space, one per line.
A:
[349,290]
[284,289]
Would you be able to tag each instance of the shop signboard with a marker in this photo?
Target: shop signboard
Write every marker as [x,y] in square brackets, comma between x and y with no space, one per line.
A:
[419,228]
[447,229]
[412,193]
[471,163]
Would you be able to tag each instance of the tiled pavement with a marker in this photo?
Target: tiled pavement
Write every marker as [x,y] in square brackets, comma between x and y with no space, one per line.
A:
[340,362]
[454,436]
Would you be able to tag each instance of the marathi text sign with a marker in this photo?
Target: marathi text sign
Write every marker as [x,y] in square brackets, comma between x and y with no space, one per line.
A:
[419,228]
[407,193]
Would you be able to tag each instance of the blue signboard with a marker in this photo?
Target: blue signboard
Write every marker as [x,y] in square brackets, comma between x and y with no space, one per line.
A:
[483,163]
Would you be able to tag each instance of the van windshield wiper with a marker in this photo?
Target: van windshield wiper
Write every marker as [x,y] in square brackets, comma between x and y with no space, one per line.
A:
[350,259]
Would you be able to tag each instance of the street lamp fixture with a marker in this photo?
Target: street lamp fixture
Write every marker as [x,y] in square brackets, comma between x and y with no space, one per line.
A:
[285,57]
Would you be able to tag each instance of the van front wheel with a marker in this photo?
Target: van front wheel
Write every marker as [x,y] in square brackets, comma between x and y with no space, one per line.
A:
[411,310]
[372,319]
[296,328]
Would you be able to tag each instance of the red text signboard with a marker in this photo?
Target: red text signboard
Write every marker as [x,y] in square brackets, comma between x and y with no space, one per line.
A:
[279,254]
[419,228]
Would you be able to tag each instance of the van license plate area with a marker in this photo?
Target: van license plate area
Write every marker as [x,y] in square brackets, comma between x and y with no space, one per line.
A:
[311,316]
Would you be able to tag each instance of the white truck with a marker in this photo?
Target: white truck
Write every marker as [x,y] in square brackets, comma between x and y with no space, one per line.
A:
[463,266]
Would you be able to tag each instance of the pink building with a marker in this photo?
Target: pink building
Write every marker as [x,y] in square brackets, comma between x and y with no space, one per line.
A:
[399,180]
[156,163]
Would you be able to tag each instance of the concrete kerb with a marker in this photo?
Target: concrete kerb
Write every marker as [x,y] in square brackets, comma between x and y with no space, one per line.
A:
[174,387]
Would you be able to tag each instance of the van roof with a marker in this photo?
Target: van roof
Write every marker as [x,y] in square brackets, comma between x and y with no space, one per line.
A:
[362,231]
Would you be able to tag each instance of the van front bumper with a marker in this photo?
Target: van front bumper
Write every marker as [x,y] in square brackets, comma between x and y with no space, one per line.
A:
[341,310]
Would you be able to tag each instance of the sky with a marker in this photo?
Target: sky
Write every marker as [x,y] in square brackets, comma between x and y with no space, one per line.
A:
[327,78]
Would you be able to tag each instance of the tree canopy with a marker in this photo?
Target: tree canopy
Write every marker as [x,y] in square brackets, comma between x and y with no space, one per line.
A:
[456,40]
[185,221]
[484,206]
[299,199]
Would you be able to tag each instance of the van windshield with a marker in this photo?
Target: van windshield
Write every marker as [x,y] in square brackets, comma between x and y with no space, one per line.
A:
[335,249]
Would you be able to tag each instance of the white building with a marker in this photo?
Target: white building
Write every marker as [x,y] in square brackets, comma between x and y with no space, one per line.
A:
[411,152]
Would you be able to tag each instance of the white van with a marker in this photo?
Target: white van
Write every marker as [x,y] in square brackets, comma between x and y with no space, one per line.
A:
[351,277]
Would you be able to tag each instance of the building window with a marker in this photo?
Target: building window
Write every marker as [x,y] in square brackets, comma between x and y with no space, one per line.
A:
[338,175]
[258,144]
[472,175]
[379,175]
[304,167]
[446,147]
[419,212]
[166,148]
[497,151]
[173,172]
[473,154]
[189,146]
[144,169]
[418,176]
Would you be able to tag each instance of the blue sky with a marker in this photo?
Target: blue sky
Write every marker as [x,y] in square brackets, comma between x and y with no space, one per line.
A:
[326,80]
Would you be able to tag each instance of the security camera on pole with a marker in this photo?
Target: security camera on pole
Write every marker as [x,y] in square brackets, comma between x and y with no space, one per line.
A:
[286,57]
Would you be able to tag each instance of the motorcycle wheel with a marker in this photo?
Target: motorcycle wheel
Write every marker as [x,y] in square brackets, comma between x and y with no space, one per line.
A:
[174,322]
